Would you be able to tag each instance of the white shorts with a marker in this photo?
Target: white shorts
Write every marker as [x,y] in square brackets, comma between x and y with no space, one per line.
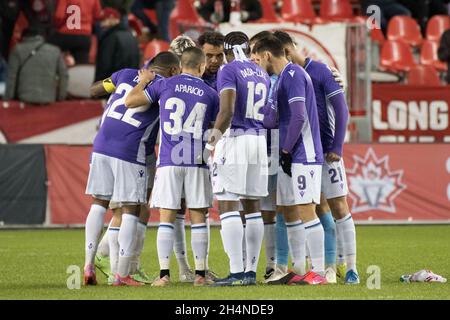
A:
[151,170]
[172,182]
[117,180]
[269,203]
[240,166]
[334,180]
[302,188]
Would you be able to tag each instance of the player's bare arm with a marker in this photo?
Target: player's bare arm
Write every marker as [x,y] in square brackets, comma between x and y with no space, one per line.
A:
[136,97]
[102,88]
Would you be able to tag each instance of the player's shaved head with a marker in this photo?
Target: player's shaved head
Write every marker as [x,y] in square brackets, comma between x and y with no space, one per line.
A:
[270,44]
[166,64]
[192,58]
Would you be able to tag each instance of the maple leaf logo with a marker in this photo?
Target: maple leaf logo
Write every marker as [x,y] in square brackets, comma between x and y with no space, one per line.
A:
[372,184]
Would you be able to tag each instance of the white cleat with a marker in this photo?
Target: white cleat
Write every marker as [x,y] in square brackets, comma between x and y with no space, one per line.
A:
[330,275]
[277,274]
[187,276]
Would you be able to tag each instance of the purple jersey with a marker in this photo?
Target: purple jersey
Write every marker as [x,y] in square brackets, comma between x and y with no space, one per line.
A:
[125,132]
[187,107]
[210,80]
[331,106]
[294,85]
[251,84]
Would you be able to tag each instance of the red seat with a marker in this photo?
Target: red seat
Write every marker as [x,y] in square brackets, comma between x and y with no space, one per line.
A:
[377,36]
[336,10]
[405,29]
[269,14]
[298,10]
[184,11]
[429,55]
[135,24]
[396,56]
[154,47]
[423,76]
[437,26]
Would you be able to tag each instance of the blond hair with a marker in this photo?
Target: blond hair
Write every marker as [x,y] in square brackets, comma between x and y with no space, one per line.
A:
[181,43]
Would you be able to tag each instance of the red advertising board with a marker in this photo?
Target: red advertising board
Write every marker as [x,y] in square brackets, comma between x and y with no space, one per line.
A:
[387,182]
[402,113]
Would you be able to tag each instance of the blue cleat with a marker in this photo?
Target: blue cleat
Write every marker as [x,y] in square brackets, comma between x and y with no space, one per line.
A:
[351,277]
[233,280]
[250,278]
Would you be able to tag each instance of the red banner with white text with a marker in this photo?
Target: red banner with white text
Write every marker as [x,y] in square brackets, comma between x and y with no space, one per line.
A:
[387,182]
[402,113]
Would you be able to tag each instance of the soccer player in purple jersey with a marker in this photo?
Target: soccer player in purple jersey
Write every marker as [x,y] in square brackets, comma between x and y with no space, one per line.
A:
[293,106]
[211,43]
[164,65]
[333,117]
[187,107]
[240,158]
[118,171]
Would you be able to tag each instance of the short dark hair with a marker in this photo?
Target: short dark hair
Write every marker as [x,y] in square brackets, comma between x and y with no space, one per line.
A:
[192,57]
[213,38]
[165,59]
[236,38]
[271,44]
[260,35]
[284,38]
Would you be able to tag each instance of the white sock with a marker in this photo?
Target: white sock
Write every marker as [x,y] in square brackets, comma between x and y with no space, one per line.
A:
[93,230]
[199,243]
[113,240]
[269,241]
[232,235]
[140,239]
[339,247]
[244,248]
[103,246]
[346,227]
[208,230]
[254,235]
[297,245]
[315,238]
[127,242]
[179,247]
[165,240]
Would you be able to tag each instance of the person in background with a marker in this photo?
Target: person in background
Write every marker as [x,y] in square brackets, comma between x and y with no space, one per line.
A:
[73,37]
[444,51]
[163,10]
[39,14]
[37,73]
[117,47]
[9,12]
[217,11]
[389,9]
[423,10]
[137,9]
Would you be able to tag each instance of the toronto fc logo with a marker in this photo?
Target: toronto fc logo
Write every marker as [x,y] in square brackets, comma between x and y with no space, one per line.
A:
[372,184]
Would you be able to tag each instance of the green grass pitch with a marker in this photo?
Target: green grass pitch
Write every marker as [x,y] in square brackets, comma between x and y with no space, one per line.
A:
[34,263]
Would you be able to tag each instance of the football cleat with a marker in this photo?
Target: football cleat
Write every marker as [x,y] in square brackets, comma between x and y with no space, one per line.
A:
[161,282]
[250,278]
[269,273]
[201,281]
[312,278]
[289,279]
[104,265]
[141,276]
[231,281]
[211,275]
[330,275]
[125,281]
[351,277]
[187,276]
[280,271]
[89,276]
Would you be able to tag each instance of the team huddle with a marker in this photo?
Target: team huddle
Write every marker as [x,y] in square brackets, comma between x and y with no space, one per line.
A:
[262,134]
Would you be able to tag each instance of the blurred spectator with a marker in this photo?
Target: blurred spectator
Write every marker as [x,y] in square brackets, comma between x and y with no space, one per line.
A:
[422,10]
[36,71]
[444,51]
[9,12]
[117,47]
[123,6]
[388,8]
[39,14]
[217,11]
[138,10]
[74,29]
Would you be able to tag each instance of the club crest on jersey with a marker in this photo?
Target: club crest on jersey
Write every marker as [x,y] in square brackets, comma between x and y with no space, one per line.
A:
[372,184]
[292,72]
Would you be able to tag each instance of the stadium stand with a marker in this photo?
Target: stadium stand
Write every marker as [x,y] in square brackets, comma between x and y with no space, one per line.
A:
[298,11]
[396,56]
[336,10]
[422,75]
[406,29]
[429,56]
[154,47]
[436,26]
